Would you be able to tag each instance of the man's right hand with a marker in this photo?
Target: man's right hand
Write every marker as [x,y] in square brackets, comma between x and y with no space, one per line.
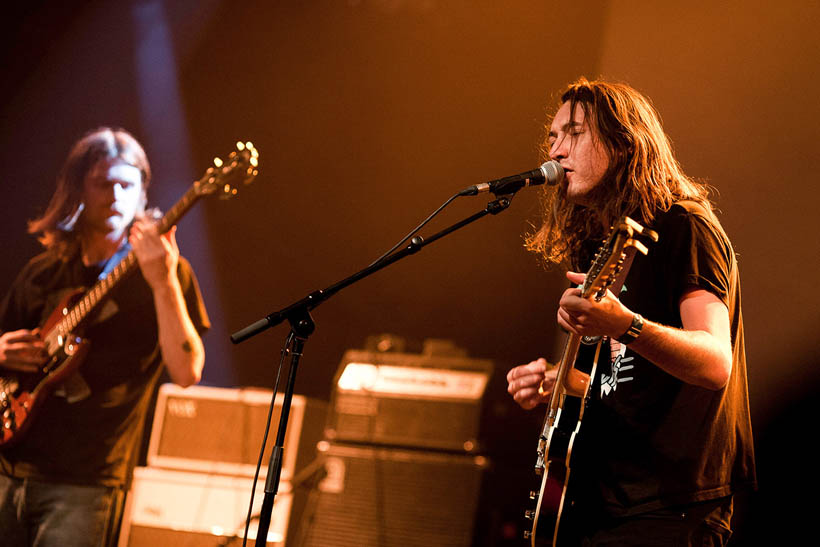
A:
[523,382]
[22,350]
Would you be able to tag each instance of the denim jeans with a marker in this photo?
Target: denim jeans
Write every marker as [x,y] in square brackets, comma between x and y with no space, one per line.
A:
[44,514]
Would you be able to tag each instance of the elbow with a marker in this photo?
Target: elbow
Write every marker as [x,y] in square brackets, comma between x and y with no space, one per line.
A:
[192,374]
[188,380]
[718,373]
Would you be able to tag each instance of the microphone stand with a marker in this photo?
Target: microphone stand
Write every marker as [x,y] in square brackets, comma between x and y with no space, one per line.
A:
[302,326]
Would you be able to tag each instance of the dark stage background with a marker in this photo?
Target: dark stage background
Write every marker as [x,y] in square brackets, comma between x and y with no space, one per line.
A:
[370,113]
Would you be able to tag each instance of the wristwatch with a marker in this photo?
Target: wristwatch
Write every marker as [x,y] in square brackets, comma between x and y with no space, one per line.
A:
[633,331]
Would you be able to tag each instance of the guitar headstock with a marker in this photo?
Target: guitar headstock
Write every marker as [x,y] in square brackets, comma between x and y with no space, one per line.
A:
[224,178]
[609,260]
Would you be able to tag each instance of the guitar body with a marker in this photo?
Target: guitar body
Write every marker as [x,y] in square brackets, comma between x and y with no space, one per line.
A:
[569,396]
[560,438]
[554,478]
[22,393]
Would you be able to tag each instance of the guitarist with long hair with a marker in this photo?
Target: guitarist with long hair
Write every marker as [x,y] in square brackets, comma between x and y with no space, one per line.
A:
[665,439]
[63,479]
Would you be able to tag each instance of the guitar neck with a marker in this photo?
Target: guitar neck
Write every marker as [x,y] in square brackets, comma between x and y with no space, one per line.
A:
[74,317]
[221,179]
[560,389]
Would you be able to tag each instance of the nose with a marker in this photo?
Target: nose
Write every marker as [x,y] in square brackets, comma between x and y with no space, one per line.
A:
[560,148]
[117,192]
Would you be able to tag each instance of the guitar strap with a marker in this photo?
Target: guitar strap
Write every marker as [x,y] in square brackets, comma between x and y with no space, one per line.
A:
[75,388]
[115,259]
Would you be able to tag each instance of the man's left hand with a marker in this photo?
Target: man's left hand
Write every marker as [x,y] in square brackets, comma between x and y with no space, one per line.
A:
[586,317]
[158,255]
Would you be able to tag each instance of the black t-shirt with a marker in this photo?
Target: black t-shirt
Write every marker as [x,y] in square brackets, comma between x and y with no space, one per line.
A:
[92,441]
[649,440]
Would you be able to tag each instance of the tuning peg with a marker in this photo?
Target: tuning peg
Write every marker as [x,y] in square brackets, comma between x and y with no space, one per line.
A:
[228,191]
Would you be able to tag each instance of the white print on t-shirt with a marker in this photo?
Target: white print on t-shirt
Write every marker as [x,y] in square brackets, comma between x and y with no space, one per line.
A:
[617,358]
[609,382]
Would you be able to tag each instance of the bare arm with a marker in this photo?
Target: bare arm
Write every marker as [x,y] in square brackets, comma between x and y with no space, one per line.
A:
[181,346]
[700,353]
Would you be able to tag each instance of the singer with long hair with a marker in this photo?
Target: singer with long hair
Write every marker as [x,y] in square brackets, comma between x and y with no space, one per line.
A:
[666,441]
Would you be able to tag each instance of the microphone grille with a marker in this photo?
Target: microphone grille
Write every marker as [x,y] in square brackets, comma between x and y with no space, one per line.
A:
[553,172]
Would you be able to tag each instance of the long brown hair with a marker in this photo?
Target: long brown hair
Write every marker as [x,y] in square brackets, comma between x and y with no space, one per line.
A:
[642,180]
[55,228]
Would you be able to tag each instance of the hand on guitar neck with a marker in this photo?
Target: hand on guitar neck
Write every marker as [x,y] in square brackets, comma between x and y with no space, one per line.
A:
[157,254]
[606,316]
[531,384]
[22,350]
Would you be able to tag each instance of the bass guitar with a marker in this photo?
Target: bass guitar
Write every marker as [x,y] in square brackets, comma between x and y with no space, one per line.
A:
[570,393]
[22,393]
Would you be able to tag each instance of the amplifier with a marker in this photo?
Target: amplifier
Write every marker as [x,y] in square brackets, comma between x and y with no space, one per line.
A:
[389,497]
[412,400]
[220,430]
[165,506]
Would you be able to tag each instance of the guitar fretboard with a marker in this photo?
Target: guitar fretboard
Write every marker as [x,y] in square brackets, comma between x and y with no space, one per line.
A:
[221,179]
[74,317]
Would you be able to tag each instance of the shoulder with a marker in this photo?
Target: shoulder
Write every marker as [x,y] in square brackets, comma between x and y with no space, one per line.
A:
[185,271]
[42,268]
[694,248]
[187,279]
[193,296]
[692,219]
[688,209]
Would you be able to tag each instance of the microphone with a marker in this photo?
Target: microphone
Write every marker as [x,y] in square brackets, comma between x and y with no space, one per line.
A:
[550,173]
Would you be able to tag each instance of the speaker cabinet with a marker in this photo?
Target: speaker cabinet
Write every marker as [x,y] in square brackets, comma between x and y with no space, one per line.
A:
[166,507]
[388,497]
[409,400]
[220,430]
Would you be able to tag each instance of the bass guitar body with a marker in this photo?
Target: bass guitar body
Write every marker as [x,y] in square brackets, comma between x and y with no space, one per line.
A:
[22,393]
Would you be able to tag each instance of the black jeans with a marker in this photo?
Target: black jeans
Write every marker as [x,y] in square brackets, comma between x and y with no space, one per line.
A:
[701,524]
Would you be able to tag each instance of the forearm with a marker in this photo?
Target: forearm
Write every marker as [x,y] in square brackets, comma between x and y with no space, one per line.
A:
[700,353]
[693,356]
[181,346]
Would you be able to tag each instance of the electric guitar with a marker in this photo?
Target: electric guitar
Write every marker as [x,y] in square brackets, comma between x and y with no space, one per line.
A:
[22,393]
[570,393]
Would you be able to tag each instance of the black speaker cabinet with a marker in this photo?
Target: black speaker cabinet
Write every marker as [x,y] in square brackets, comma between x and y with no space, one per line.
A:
[388,497]
[220,430]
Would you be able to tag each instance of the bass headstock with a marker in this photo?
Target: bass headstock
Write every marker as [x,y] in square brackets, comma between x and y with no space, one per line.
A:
[225,178]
